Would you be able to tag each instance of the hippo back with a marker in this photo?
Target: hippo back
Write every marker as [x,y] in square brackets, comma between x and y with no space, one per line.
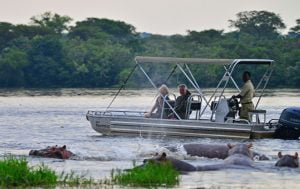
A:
[239,154]
[207,150]
[243,149]
[178,165]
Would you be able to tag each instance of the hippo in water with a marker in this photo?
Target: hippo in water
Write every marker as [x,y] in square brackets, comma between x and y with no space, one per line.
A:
[178,165]
[219,151]
[53,152]
[239,156]
[287,160]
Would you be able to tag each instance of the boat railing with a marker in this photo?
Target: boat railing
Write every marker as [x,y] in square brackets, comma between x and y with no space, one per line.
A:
[127,113]
[194,103]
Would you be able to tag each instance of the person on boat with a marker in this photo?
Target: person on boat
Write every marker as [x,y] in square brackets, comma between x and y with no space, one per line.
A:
[159,103]
[246,95]
[181,102]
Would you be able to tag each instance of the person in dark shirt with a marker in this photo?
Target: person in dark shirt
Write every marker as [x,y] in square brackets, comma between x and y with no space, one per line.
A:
[181,102]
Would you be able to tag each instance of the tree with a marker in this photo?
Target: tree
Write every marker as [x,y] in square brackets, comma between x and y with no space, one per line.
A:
[54,22]
[117,31]
[258,23]
[12,63]
[47,66]
[6,34]
[295,31]
[205,37]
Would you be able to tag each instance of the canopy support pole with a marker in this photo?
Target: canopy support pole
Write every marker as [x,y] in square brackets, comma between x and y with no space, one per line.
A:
[164,98]
[266,78]
[192,76]
[122,86]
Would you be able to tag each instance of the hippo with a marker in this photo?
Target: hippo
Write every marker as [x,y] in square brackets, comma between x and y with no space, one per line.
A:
[239,156]
[288,160]
[178,165]
[53,152]
[219,151]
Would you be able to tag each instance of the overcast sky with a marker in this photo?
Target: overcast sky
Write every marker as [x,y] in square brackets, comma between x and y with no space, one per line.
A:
[154,16]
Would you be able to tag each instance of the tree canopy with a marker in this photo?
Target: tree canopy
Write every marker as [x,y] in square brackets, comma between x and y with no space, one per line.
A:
[259,23]
[98,52]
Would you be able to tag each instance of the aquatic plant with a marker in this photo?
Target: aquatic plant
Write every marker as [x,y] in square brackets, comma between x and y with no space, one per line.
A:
[16,172]
[149,175]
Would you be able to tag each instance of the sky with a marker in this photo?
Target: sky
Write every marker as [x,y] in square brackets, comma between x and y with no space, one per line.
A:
[165,17]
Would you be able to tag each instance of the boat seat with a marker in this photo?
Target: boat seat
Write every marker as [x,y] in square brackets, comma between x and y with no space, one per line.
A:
[171,102]
[195,105]
[257,113]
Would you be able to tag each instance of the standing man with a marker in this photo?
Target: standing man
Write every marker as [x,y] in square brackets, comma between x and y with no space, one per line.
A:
[181,101]
[246,96]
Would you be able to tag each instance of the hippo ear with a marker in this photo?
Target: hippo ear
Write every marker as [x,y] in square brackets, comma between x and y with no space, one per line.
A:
[250,145]
[279,155]
[64,147]
[230,145]
[296,155]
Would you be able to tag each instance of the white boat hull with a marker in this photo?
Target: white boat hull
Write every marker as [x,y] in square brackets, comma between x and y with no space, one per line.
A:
[140,126]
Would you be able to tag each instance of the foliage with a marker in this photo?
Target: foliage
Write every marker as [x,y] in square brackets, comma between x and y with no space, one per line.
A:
[12,63]
[260,23]
[96,52]
[149,175]
[16,172]
[53,22]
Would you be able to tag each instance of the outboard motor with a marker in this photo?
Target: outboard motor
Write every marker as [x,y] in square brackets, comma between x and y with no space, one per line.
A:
[289,124]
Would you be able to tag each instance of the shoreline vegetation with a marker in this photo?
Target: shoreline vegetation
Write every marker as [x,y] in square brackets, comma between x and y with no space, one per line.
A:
[49,52]
[149,175]
[15,172]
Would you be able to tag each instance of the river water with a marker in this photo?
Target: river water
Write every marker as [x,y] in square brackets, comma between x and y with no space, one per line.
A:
[34,119]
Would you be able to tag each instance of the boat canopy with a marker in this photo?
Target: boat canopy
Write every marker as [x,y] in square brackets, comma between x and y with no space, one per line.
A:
[183,65]
[148,59]
[255,61]
[174,60]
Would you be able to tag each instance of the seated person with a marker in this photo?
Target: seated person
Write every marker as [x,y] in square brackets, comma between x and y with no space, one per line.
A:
[181,102]
[159,103]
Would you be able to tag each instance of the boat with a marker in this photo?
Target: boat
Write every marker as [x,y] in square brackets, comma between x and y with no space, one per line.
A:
[223,121]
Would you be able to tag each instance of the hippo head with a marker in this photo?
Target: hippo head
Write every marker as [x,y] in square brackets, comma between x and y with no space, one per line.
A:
[287,160]
[243,149]
[33,152]
[53,152]
[157,158]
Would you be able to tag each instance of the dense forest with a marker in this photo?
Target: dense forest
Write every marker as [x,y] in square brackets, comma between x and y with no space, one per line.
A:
[50,51]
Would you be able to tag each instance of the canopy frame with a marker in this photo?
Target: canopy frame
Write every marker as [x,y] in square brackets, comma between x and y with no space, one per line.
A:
[229,66]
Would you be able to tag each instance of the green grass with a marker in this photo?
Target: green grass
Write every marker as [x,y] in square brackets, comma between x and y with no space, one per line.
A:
[149,175]
[16,172]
